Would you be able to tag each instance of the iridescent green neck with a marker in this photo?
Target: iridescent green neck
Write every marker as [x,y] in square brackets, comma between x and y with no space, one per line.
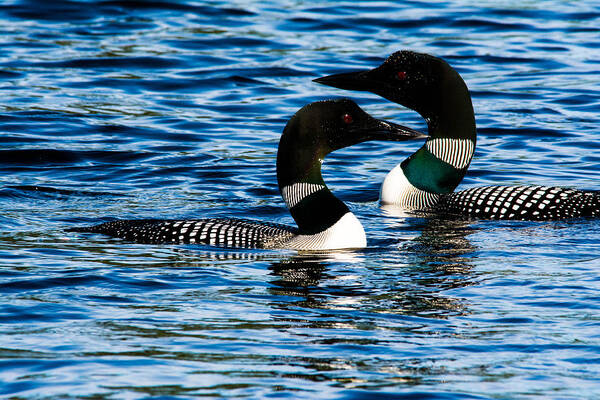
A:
[441,164]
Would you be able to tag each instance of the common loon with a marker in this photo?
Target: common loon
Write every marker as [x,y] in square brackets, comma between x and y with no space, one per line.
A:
[426,180]
[324,221]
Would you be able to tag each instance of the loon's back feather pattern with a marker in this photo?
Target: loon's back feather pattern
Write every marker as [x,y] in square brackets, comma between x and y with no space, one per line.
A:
[532,203]
[223,232]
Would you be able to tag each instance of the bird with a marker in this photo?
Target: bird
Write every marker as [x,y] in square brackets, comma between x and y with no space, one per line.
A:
[426,180]
[324,221]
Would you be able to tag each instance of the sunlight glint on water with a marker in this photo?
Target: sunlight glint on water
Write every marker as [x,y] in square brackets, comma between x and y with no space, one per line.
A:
[119,109]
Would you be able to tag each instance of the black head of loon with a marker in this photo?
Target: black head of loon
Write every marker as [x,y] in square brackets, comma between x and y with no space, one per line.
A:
[421,82]
[324,221]
[430,86]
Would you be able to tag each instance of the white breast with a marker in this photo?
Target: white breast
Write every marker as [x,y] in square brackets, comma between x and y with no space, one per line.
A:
[346,233]
[397,190]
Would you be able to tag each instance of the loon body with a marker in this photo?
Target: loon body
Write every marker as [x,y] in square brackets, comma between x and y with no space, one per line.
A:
[324,221]
[426,180]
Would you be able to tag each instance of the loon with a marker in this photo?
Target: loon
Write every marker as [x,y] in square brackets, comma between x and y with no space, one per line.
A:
[426,180]
[324,221]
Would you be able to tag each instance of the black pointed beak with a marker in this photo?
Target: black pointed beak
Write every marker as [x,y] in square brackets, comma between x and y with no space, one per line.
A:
[394,132]
[376,129]
[359,80]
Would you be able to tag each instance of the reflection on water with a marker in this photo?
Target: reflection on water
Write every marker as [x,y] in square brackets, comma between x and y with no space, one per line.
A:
[443,243]
[439,258]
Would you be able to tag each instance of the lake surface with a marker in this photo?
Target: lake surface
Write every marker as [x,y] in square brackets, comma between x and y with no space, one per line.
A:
[127,109]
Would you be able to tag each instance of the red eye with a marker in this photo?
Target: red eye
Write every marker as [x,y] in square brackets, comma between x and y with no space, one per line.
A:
[347,119]
[401,75]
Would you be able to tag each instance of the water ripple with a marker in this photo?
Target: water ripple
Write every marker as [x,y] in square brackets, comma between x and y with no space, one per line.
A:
[156,109]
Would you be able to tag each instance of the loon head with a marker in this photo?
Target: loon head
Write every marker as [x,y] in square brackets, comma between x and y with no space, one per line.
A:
[431,87]
[326,126]
[421,82]
[322,127]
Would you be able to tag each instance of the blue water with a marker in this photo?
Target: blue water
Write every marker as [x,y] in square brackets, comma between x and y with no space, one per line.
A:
[138,109]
